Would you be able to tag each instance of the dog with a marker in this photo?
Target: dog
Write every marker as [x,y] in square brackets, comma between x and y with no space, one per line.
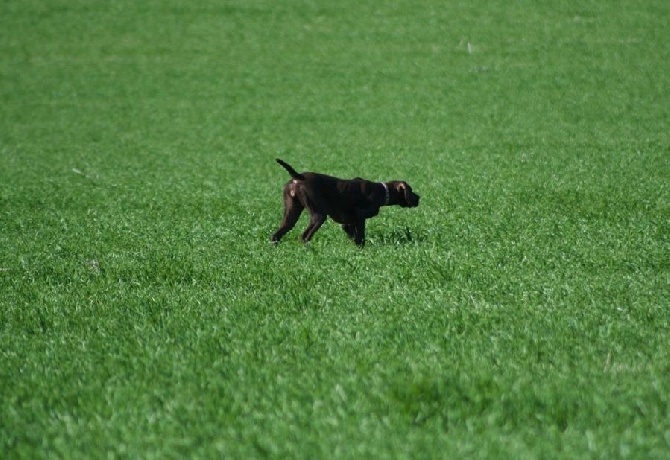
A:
[347,202]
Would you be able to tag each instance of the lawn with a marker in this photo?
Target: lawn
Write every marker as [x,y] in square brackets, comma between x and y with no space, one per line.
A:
[522,311]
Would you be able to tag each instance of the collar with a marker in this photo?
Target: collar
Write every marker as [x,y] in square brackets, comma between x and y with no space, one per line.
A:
[386,193]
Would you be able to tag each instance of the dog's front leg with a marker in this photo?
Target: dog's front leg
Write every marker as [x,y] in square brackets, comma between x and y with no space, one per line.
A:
[350,230]
[359,232]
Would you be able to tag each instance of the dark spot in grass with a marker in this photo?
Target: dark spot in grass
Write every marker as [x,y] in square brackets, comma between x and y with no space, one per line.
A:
[398,237]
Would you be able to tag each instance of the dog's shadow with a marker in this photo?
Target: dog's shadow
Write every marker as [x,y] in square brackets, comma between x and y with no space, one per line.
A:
[397,237]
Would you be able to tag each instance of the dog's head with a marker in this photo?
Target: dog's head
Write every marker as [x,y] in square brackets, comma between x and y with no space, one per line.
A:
[405,196]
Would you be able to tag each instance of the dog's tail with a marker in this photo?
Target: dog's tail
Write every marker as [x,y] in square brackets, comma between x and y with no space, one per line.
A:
[294,174]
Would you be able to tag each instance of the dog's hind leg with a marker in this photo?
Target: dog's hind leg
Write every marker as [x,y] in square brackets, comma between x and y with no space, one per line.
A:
[316,220]
[292,210]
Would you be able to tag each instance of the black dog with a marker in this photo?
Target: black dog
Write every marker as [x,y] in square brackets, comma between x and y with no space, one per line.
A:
[348,202]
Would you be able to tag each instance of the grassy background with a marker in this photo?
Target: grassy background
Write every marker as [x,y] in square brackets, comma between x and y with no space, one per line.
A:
[521,311]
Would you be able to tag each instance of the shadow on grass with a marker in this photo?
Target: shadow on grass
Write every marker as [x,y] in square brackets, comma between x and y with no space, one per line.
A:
[398,237]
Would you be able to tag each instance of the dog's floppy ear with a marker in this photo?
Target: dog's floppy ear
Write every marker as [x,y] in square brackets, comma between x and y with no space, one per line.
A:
[405,189]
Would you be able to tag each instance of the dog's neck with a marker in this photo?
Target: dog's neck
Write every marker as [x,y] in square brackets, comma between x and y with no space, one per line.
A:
[387,196]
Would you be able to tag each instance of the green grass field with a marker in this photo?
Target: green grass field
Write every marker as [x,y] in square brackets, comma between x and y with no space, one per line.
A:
[522,311]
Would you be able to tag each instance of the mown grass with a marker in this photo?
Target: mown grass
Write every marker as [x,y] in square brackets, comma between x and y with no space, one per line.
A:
[520,312]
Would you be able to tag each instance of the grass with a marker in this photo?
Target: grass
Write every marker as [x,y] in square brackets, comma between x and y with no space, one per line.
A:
[521,312]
